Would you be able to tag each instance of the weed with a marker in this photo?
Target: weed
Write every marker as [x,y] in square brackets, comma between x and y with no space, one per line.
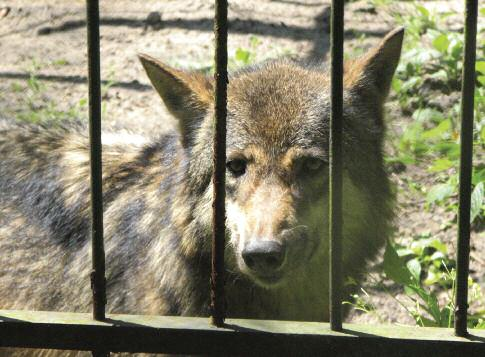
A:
[37,107]
[427,89]
[426,86]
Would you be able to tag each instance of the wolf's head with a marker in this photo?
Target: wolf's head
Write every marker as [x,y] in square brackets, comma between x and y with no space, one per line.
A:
[277,156]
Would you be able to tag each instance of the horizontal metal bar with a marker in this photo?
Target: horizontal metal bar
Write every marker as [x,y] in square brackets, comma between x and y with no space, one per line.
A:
[192,335]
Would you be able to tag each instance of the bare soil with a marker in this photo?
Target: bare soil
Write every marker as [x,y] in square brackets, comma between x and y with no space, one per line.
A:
[51,36]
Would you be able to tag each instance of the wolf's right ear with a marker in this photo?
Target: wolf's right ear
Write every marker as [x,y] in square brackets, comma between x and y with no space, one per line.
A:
[187,96]
[374,71]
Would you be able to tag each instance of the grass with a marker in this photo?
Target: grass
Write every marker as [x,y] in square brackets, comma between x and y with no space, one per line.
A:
[431,68]
[35,104]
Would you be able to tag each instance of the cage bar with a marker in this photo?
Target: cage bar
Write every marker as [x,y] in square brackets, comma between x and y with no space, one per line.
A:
[98,280]
[466,153]
[219,165]
[196,335]
[335,179]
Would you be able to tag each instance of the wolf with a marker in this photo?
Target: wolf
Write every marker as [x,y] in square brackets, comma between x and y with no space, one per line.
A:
[157,196]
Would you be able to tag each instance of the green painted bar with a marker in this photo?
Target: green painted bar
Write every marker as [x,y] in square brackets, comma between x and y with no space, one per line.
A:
[195,335]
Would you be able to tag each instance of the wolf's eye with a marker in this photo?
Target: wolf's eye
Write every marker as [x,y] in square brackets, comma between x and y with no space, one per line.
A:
[311,164]
[237,167]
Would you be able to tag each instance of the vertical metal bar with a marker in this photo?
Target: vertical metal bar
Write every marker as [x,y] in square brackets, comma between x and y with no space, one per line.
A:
[219,164]
[335,192]
[97,275]
[98,281]
[466,148]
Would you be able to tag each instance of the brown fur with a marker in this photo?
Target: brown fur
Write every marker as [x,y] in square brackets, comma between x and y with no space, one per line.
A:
[157,197]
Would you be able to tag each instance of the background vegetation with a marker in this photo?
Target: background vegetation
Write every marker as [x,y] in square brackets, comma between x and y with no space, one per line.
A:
[427,88]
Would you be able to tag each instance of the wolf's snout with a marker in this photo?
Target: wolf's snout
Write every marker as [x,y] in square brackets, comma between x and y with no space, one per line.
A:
[264,256]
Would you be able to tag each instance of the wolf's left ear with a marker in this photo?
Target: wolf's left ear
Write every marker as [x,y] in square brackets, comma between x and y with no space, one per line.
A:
[374,71]
[187,95]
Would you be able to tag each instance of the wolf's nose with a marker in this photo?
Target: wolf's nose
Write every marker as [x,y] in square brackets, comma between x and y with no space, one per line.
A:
[264,255]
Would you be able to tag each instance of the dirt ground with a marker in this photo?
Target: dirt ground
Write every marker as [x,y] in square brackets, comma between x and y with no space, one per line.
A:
[51,35]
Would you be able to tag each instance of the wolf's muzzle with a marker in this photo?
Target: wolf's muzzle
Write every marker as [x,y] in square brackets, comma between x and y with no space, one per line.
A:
[264,256]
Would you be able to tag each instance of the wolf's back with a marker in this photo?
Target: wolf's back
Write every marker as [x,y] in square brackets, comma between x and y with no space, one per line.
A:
[34,177]
[45,214]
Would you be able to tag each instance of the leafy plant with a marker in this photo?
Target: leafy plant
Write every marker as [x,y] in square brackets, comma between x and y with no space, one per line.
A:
[407,267]
[430,70]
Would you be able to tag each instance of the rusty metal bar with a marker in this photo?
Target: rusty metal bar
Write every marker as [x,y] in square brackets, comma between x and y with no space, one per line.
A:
[335,189]
[466,148]
[98,280]
[219,165]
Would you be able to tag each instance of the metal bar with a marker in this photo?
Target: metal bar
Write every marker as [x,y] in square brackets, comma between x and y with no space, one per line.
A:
[97,275]
[191,335]
[98,281]
[466,148]
[335,189]
[219,165]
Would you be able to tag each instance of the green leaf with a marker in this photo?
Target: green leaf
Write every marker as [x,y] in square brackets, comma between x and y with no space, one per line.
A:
[432,278]
[481,79]
[450,149]
[447,316]
[425,322]
[405,159]
[437,256]
[431,303]
[402,252]
[480,66]
[440,75]
[423,10]
[424,56]
[411,83]
[439,246]
[428,115]
[456,48]
[395,268]
[437,131]
[242,55]
[414,267]
[434,308]
[439,192]
[477,200]
[441,43]
[478,175]
[254,41]
[441,165]
[396,84]
[480,324]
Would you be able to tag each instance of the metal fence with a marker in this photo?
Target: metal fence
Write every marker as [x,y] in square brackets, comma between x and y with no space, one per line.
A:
[158,334]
